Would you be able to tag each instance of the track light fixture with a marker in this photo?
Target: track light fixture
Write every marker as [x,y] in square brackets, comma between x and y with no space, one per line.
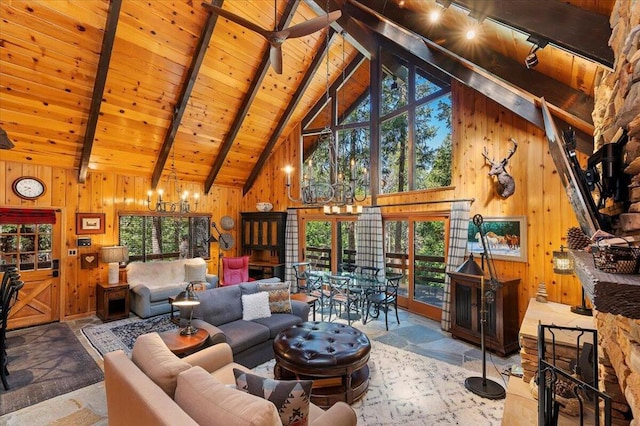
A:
[537,43]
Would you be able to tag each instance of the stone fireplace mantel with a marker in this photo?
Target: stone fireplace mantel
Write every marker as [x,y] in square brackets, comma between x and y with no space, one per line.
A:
[617,294]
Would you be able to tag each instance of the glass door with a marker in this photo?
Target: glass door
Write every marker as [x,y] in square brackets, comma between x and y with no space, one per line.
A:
[416,247]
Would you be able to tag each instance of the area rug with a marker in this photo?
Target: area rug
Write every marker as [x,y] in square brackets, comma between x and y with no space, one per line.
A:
[45,361]
[409,389]
[122,334]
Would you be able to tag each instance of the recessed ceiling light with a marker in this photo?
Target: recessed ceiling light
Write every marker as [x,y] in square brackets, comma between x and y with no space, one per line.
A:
[434,15]
[471,34]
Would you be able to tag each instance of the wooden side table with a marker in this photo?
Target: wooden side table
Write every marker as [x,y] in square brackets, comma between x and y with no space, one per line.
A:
[309,300]
[112,301]
[183,345]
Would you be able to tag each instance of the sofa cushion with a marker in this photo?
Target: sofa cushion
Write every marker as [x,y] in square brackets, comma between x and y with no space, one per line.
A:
[159,274]
[220,305]
[278,322]
[195,273]
[209,402]
[279,296]
[291,397]
[255,306]
[155,359]
[242,335]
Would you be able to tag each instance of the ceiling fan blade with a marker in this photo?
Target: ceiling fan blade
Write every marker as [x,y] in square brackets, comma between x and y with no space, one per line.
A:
[275,56]
[311,26]
[237,19]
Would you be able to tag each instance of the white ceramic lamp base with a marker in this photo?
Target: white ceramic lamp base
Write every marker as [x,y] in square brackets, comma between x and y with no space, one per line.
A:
[114,273]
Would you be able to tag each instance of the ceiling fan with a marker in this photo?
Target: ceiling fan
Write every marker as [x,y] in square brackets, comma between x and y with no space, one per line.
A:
[275,37]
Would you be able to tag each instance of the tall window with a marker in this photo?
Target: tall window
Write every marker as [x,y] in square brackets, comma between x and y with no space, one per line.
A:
[415,129]
[165,237]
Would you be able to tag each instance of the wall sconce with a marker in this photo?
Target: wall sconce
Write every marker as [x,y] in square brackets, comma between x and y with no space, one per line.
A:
[531,61]
[562,262]
[114,256]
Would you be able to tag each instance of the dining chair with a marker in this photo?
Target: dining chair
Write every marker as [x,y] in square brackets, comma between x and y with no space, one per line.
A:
[301,271]
[383,299]
[316,288]
[9,297]
[341,295]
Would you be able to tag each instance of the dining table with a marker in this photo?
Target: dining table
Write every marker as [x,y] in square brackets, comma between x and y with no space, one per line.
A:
[359,285]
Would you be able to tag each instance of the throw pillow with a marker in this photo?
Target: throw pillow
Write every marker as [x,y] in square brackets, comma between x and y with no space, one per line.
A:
[195,273]
[291,397]
[279,296]
[255,306]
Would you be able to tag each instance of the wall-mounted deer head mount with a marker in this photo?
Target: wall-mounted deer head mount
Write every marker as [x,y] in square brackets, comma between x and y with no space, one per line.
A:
[505,185]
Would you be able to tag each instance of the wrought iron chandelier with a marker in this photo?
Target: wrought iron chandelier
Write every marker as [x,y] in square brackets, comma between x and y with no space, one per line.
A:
[336,191]
[183,205]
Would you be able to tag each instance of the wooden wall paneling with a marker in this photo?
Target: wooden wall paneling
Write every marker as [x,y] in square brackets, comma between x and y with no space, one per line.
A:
[70,295]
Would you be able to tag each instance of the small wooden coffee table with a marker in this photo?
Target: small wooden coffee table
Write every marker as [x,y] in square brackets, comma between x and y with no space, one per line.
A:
[183,345]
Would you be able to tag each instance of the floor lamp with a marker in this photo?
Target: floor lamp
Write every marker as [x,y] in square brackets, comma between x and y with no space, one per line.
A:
[481,386]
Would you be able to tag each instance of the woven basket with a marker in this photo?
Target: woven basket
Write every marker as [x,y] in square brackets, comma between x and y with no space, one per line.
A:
[616,259]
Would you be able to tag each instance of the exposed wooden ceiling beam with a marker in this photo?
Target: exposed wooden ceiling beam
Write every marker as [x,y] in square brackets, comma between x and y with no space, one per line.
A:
[510,97]
[576,30]
[259,76]
[297,96]
[577,106]
[98,88]
[185,94]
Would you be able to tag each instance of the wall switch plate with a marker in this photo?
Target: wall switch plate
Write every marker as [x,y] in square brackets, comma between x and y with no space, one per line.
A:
[83,242]
[72,252]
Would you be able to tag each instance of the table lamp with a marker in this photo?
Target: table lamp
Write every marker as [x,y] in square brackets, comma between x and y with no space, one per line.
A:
[114,255]
[187,297]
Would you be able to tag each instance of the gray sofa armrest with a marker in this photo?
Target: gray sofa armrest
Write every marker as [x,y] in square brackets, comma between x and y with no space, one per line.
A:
[340,414]
[139,300]
[215,334]
[300,309]
[212,280]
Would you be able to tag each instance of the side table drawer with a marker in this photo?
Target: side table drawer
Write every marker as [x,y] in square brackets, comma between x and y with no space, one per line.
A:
[117,294]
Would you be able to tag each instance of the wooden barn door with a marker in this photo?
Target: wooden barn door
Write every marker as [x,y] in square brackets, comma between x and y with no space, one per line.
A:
[35,248]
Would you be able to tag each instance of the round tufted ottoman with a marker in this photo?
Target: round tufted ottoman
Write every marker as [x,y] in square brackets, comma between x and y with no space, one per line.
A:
[333,355]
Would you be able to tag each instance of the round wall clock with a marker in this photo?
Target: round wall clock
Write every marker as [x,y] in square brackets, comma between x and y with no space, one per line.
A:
[29,187]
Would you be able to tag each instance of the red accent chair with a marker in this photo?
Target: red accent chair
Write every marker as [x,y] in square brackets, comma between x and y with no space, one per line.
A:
[235,270]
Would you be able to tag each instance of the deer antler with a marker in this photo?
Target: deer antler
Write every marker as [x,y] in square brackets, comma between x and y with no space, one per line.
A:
[485,154]
[511,151]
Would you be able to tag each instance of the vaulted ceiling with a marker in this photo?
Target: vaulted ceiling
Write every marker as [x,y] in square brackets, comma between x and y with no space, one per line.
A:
[130,86]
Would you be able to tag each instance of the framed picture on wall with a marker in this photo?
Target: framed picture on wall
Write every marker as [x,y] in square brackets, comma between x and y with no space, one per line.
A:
[89,223]
[506,238]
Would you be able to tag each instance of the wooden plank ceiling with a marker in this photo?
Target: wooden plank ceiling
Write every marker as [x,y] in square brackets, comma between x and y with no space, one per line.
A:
[125,85]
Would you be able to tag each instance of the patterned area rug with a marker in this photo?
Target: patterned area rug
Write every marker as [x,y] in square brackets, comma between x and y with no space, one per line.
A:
[408,389]
[45,361]
[122,334]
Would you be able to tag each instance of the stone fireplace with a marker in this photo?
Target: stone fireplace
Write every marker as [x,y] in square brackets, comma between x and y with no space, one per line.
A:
[616,298]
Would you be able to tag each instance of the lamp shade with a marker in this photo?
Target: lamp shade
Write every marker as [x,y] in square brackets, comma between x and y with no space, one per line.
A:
[470,267]
[186,297]
[114,254]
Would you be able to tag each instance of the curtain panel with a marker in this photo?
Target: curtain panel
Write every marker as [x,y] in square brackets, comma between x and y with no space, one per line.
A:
[369,238]
[26,216]
[291,254]
[458,228]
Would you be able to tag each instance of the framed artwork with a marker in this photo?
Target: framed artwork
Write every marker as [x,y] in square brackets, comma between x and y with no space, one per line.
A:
[506,238]
[88,260]
[89,223]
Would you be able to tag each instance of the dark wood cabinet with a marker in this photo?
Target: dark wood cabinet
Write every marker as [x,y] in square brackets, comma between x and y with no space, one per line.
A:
[112,301]
[502,325]
[263,240]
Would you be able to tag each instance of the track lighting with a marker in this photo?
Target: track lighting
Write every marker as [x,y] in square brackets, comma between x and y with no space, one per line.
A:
[532,59]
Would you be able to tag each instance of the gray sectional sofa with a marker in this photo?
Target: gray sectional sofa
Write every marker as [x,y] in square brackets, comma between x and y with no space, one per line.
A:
[220,313]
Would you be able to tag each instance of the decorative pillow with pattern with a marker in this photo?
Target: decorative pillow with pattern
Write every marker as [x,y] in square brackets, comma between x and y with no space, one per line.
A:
[279,296]
[291,397]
